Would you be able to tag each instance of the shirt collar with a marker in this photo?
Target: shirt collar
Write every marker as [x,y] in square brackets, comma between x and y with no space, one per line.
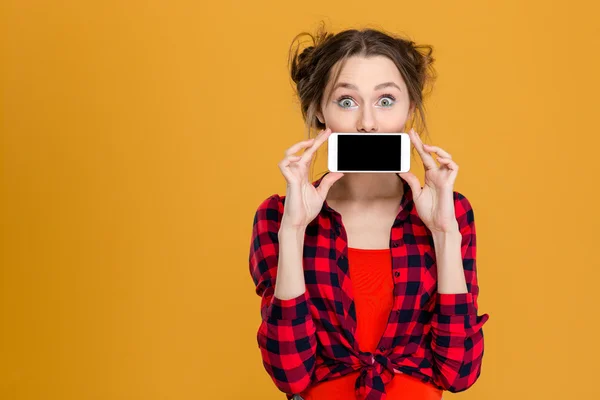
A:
[406,202]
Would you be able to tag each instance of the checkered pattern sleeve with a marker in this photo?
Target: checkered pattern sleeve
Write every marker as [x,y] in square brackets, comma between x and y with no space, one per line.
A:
[457,333]
[286,335]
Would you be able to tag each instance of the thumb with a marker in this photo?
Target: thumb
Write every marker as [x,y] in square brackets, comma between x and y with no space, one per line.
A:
[413,182]
[327,182]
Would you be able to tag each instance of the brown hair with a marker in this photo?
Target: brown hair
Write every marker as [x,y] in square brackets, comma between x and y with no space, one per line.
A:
[310,70]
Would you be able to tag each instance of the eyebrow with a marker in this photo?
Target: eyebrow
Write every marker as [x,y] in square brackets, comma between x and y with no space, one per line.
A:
[380,86]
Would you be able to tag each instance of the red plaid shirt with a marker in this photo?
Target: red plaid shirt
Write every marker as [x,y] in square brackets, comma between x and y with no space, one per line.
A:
[437,338]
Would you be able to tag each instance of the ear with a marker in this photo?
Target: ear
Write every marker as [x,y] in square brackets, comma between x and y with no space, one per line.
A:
[410,115]
[320,117]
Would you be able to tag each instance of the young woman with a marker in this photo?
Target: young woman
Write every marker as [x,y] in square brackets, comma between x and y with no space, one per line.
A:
[368,281]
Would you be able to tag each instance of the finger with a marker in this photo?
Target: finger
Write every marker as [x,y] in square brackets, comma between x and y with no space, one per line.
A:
[284,166]
[451,164]
[319,140]
[413,182]
[428,161]
[295,148]
[437,150]
[327,182]
[288,160]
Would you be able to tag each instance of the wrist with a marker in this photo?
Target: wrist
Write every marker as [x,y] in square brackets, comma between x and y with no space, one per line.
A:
[441,237]
[291,231]
[289,225]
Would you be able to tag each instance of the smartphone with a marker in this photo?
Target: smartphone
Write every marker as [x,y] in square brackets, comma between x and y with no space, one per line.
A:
[368,152]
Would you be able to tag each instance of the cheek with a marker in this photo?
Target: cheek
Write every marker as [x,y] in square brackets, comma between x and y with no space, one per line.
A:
[340,120]
[393,121]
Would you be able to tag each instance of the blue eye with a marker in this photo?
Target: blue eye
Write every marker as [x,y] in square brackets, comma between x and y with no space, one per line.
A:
[389,103]
[345,100]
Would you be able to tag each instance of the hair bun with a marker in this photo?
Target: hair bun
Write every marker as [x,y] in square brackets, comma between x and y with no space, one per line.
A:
[303,65]
[306,53]
[420,56]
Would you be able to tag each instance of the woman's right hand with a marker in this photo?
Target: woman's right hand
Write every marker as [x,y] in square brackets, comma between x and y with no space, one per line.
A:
[304,201]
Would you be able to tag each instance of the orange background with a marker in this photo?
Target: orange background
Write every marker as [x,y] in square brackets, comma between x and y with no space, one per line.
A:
[139,137]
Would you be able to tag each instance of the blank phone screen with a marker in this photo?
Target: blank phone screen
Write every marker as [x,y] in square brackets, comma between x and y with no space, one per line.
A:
[369,152]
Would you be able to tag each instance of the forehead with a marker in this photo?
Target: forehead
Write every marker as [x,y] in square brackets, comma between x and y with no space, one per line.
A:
[367,72]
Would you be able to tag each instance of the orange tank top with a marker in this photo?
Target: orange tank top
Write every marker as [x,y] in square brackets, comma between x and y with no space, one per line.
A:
[372,286]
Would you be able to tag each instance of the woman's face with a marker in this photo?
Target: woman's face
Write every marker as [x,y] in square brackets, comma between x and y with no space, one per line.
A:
[370,96]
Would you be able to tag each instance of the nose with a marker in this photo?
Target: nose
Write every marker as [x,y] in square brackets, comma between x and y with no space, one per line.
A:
[366,122]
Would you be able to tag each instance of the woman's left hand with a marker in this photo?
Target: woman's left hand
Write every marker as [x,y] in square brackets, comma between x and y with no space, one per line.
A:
[435,201]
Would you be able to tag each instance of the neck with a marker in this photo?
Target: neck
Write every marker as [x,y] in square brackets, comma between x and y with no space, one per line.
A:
[366,187]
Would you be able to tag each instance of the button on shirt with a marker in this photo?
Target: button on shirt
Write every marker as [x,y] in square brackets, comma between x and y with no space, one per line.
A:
[437,338]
